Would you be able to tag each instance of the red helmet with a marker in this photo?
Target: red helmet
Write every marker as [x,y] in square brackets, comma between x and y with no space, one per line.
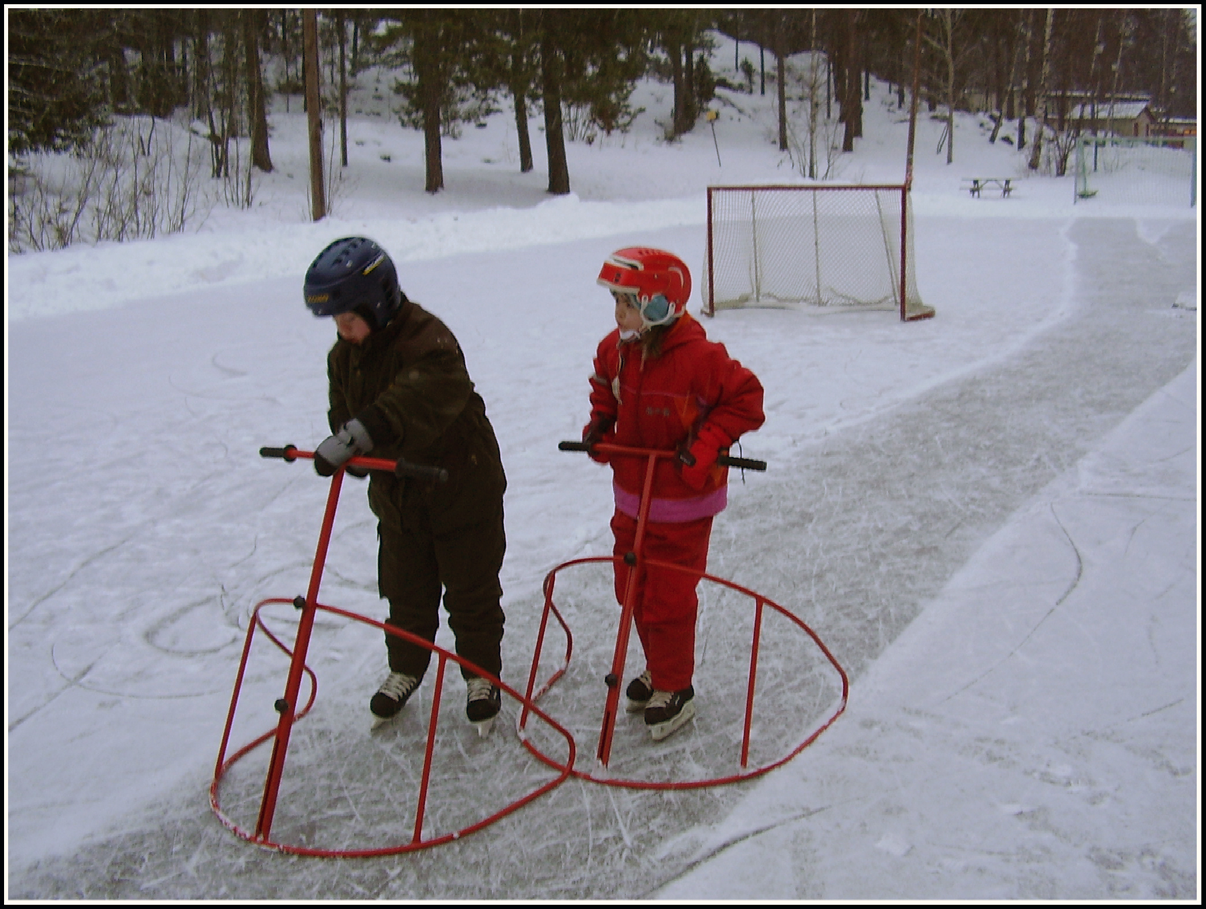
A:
[659,279]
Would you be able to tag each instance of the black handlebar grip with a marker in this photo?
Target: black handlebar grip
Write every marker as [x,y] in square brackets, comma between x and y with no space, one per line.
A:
[747,463]
[420,471]
[724,460]
[286,452]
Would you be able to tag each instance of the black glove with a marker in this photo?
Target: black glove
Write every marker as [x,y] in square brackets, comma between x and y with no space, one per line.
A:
[337,450]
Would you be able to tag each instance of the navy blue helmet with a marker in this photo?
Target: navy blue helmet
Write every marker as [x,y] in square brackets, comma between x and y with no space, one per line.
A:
[354,275]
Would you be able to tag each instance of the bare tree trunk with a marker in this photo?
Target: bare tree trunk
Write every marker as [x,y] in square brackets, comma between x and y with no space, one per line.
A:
[429,94]
[944,45]
[1037,150]
[257,114]
[680,49]
[554,137]
[202,64]
[909,144]
[1005,112]
[689,73]
[781,73]
[432,145]
[1094,80]
[1124,31]
[119,78]
[1000,77]
[761,18]
[1170,65]
[813,78]
[859,62]
[1027,40]
[1011,79]
[318,201]
[679,118]
[948,26]
[429,74]
[521,127]
[519,83]
[851,95]
[343,90]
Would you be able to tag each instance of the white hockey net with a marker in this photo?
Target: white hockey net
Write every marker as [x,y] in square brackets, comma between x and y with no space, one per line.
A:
[1137,171]
[838,247]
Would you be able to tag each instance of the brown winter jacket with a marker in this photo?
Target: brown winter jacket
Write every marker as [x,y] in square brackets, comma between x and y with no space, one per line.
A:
[409,386]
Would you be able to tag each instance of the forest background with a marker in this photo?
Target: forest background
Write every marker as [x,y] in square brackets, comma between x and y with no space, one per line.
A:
[73,72]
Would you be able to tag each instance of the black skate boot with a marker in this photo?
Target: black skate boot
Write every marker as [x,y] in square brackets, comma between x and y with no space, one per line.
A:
[390,697]
[639,691]
[483,704]
[668,710]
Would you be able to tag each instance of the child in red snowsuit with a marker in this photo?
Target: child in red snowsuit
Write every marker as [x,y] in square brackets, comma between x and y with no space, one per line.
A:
[659,383]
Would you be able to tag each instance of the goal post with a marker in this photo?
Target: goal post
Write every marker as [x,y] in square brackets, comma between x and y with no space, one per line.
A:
[833,247]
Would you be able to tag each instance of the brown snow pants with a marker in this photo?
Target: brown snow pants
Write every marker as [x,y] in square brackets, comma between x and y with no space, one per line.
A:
[416,564]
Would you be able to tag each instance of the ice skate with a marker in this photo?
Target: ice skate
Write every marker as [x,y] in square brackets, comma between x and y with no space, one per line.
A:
[391,696]
[484,702]
[668,710]
[639,691]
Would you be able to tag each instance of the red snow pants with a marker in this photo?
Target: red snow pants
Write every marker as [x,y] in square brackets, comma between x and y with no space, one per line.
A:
[666,603]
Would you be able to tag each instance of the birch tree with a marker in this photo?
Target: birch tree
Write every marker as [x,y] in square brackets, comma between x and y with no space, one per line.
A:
[944,44]
[1041,114]
[1024,107]
[814,85]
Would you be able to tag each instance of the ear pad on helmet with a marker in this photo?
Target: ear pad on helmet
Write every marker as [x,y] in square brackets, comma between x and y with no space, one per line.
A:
[657,309]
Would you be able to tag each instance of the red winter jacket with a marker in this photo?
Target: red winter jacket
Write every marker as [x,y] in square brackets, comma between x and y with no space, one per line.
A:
[663,403]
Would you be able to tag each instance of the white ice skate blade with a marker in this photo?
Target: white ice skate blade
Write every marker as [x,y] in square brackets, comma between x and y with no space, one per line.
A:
[635,706]
[484,726]
[382,720]
[660,730]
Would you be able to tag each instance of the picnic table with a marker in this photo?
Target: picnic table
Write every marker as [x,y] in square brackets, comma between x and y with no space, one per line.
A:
[975,184]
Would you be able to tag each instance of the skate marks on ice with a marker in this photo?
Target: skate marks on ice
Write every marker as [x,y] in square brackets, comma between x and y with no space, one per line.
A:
[1047,752]
[876,518]
[797,688]
[335,798]
[139,500]
[854,537]
[341,781]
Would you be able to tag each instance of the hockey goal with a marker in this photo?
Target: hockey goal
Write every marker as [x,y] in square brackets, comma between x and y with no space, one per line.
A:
[836,247]
[1146,170]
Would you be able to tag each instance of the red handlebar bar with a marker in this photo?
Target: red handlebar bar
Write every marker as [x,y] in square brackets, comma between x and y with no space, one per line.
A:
[400,467]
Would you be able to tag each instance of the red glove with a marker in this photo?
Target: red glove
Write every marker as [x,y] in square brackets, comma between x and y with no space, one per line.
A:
[699,459]
[600,429]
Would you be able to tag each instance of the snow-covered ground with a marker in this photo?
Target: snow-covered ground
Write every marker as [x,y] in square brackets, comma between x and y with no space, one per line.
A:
[989,517]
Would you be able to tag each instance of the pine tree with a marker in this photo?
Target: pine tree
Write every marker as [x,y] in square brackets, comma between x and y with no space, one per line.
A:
[57,91]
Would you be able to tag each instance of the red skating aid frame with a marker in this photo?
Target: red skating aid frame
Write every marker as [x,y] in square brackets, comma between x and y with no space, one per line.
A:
[288,715]
[637,561]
